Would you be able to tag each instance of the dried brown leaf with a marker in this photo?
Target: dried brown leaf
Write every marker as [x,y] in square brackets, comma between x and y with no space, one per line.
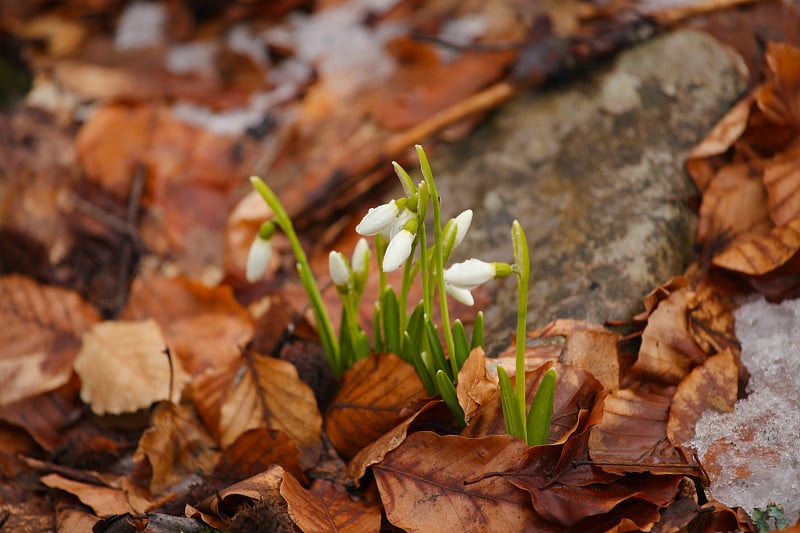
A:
[761,254]
[475,387]
[713,385]
[105,501]
[123,367]
[373,394]
[203,326]
[779,97]
[597,352]
[174,447]
[260,392]
[782,180]
[328,508]
[631,437]
[264,486]
[40,336]
[423,483]
[254,451]
[668,350]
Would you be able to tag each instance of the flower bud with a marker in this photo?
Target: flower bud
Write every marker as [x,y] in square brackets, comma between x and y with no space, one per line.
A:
[398,250]
[340,273]
[258,258]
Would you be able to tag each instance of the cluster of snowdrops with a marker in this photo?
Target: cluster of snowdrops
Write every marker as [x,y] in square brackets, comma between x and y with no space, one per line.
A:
[402,241]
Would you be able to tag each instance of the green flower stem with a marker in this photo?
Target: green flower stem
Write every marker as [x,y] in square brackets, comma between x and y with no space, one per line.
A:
[408,277]
[522,267]
[438,258]
[427,303]
[327,337]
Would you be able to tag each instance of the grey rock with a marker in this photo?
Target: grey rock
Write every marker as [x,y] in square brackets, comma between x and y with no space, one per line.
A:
[593,170]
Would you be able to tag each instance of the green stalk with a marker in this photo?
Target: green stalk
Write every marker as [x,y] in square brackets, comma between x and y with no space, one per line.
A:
[523,268]
[438,258]
[327,337]
[422,211]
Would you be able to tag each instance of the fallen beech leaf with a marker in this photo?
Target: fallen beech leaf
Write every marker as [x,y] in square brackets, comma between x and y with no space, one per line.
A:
[713,385]
[474,387]
[422,483]
[203,326]
[255,451]
[597,352]
[40,336]
[44,416]
[761,254]
[369,402]
[735,203]
[726,132]
[260,392]
[104,501]
[660,293]
[328,508]
[716,516]
[123,367]
[264,486]
[779,97]
[377,450]
[668,350]
[631,437]
[174,447]
[73,520]
[576,390]
[782,179]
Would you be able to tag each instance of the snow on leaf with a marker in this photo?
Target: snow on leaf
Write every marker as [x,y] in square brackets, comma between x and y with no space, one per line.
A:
[123,367]
[40,336]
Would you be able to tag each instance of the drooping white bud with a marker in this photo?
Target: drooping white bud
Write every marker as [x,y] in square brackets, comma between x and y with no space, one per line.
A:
[462,295]
[462,222]
[360,260]
[377,219]
[340,273]
[258,258]
[470,273]
[398,250]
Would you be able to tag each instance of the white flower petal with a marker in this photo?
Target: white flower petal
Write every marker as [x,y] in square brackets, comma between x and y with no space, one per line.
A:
[398,251]
[377,218]
[462,295]
[470,273]
[463,222]
[400,222]
[258,258]
[360,260]
[340,274]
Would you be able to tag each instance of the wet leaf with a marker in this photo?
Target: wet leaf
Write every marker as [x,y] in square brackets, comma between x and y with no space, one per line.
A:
[668,350]
[203,326]
[762,253]
[422,483]
[260,392]
[174,447]
[123,367]
[713,385]
[369,402]
[328,508]
[40,336]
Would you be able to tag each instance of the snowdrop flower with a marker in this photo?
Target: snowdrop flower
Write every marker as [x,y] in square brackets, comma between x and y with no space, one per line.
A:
[260,252]
[470,274]
[360,260]
[399,223]
[340,273]
[400,246]
[378,219]
[461,223]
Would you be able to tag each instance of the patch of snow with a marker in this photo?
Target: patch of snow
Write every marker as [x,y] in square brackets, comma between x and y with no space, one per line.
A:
[191,57]
[347,54]
[141,24]
[242,40]
[756,448]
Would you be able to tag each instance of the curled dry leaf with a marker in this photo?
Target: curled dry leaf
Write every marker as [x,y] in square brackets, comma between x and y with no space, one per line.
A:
[662,292]
[328,508]
[631,437]
[422,482]
[259,392]
[782,181]
[203,326]
[779,97]
[40,336]
[576,390]
[668,350]
[375,452]
[712,385]
[175,446]
[475,387]
[761,254]
[123,367]
[105,501]
[373,394]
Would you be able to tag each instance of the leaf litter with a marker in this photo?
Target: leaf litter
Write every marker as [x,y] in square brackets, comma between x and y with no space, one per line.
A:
[244,442]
